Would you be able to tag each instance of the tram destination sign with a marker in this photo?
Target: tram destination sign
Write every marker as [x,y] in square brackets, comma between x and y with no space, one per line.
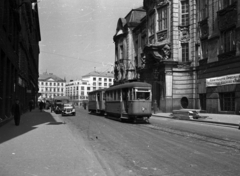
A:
[223,80]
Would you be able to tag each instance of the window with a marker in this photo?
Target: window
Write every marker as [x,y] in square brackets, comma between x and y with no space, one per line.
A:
[94,79]
[82,93]
[121,52]
[94,83]
[151,24]
[143,41]
[227,101]
[143,95]
[82,88]
[88,88]
[100,79]
[105,84]
[203,101]
[204,44]
[110,80]
[185,52]
[185,13]
[228,2]
[228,41]
[162,18]
[105,79]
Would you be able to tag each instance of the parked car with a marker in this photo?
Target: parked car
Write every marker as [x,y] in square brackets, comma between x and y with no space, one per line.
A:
[68,109]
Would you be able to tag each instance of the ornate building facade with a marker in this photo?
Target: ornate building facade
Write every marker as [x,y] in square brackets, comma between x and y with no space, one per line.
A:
[19,53]
[125,51]
[164,41]
[169,54]
[218,54]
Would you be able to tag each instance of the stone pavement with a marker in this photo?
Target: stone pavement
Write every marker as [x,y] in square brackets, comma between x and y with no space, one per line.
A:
[44,145]
[226,119]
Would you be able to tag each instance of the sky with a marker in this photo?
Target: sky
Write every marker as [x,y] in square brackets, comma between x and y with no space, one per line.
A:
[77,35]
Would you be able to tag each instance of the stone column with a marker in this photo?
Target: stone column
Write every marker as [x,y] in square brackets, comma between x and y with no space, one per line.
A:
[174,29]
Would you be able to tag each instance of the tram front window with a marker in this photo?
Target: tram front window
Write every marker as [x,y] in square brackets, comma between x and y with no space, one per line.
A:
[143,95]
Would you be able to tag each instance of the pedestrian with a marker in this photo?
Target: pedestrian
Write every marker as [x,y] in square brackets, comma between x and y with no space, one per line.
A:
[16,110]
[30,104]
[41,105]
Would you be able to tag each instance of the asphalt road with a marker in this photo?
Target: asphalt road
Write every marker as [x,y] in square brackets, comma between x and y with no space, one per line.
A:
[165,147]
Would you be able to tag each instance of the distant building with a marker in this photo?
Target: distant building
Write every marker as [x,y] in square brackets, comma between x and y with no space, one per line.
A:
[78,90]
[50,86]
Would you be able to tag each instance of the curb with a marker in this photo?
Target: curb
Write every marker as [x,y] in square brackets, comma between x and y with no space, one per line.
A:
[5,121]
[213,122]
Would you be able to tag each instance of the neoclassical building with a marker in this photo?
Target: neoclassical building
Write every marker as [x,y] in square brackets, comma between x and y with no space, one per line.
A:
[50,86]
[78,90]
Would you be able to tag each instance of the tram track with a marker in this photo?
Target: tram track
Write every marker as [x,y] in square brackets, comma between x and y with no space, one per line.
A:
[209,139]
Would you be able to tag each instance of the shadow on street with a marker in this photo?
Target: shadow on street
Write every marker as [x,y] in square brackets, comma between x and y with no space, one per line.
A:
[29,121]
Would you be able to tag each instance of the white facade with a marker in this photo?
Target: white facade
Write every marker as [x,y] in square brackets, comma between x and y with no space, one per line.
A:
[51,86]
[78,90]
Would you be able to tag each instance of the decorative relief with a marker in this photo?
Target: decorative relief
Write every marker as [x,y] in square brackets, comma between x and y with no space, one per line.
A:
[166,52]
[151,39]
[227,17]
[162,36]
[184,34]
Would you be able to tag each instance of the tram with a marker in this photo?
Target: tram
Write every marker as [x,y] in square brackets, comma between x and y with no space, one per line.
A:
[129,101]
[96,101]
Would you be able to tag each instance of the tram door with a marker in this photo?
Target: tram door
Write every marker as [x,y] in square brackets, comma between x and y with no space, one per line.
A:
[125,99]
[98,101]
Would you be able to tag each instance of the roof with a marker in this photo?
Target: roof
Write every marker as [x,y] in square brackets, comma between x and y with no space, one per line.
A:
[61,98]
[130,85]
[46,76]
[99,74]
[96,91]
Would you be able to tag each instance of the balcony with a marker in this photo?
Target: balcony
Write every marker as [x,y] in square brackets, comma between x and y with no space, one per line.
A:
[228,17]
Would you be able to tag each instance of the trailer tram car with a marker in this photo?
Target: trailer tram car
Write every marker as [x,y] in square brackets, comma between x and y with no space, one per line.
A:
[96,101]
[129,101]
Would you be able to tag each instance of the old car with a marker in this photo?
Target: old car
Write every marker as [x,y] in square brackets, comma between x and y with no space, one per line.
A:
[68,109]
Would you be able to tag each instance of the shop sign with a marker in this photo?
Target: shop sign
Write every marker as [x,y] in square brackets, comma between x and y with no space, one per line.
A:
[223,80]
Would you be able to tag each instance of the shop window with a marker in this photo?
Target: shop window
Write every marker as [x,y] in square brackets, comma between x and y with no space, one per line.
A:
[227,101]
[203,101]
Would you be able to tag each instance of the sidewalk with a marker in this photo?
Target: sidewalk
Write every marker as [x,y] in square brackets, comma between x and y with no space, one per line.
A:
[226,119]
[44,145]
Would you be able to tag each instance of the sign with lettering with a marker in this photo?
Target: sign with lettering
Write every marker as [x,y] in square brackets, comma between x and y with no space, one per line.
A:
[223,80]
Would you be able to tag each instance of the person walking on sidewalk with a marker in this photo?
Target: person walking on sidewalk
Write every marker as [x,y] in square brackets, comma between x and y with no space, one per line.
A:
[16,109]
[30,104]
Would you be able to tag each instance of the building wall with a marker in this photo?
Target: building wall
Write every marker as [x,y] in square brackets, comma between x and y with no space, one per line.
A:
[78,90]
[172,77]
[215,60]
[14,66]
